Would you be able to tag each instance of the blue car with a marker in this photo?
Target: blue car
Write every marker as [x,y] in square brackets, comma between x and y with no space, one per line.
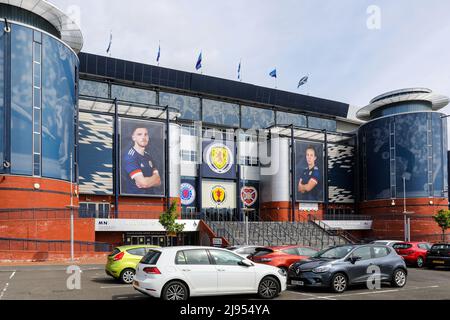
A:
[341,266]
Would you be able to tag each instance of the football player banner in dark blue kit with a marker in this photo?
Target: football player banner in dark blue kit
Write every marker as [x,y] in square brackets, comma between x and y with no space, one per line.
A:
[142,158]
[309,171]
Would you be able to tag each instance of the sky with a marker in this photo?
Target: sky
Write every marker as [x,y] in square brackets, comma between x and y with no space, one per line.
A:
[350,51]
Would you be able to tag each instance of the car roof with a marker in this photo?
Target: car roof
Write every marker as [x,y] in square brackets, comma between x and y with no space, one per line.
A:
[122,248]
[286,247]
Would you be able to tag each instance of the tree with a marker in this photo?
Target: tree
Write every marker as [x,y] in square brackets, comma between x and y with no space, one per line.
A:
[168,220]
[442,218]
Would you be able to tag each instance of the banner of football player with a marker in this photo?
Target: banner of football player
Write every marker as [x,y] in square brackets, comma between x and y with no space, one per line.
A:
[218,194]
[249,195]
[219,159]
[309,168]
[142,162]
[188,194]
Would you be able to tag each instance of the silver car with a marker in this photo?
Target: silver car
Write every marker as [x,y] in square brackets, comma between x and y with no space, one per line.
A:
[341,266]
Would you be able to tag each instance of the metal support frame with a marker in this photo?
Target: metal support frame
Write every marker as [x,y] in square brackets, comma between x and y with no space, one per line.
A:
[116,173]
[325,173]
[293,182]
[167,157]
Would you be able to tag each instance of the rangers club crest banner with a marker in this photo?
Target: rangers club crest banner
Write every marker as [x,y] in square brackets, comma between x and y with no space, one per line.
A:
[219,159]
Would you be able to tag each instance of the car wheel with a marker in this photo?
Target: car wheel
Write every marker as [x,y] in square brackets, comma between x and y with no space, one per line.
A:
[268,288]
[339,283]
[399,278]
[420,262]
[127,275]
[175,290]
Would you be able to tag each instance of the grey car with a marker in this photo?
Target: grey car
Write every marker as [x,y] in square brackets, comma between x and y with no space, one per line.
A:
[341,266]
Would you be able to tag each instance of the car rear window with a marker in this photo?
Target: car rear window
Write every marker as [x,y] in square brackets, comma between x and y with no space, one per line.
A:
[137,251]
[402,246]
[425,246]
[440,247]
[291,251]
[151,257]
[262,252]
[193,257]
[115,251]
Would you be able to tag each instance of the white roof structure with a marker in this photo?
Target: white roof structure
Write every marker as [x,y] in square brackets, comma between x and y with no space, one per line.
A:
[403,95]
[66,26]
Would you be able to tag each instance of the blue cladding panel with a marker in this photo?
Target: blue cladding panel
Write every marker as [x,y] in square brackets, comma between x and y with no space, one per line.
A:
[341,174]
[21,100]
[58,107]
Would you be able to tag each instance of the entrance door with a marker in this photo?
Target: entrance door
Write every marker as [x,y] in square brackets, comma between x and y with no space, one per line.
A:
[137,240]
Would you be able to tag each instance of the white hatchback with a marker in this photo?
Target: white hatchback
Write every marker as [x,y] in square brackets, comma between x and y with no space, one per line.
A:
[177,273]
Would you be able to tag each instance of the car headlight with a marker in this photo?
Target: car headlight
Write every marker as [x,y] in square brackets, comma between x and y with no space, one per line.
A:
[321,269]
[282,272]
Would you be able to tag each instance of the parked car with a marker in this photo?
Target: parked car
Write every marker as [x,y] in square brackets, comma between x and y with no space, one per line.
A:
[341,266]
[389,243]
[244,251]
[121,263]
[177,273]
[438,255]
[414,253]
[282,256]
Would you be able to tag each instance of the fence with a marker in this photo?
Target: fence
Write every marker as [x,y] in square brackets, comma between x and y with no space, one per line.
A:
[52,245]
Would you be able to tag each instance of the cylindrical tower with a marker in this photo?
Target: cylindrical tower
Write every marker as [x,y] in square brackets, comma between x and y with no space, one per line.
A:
[38,105]
[403,163]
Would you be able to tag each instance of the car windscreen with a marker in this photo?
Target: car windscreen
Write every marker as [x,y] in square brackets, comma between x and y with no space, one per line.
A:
[402,246]
[334,253]
[151,257]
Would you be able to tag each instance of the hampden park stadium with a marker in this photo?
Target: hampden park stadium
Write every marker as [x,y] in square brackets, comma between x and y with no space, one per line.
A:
[95,149]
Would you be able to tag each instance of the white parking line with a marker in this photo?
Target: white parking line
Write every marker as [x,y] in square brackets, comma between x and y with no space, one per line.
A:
[122,286]
[375,292]
[6,285]
[312,295]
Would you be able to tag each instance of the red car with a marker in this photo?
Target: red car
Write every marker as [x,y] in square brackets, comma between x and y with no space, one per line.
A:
[282,256]
[413,253]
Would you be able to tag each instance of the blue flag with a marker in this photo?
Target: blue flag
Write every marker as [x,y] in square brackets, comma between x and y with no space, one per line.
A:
[273,73]
[159,54]
[239,71]
[199,62]
[110,43]
[302,81]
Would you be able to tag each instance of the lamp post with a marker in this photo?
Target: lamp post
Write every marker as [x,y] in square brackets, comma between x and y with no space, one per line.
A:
[406,215]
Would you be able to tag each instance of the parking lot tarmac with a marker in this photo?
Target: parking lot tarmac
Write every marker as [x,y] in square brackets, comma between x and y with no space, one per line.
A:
[53,283]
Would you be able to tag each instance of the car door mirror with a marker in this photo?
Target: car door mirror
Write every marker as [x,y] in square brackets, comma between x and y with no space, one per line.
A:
[245,263]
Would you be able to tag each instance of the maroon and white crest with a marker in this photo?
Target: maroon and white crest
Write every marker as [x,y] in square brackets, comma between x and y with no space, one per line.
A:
[249,195]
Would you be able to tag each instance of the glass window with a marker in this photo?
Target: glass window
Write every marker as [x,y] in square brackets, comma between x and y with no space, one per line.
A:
[225,258]
[21,100]
[37,52]
[425,246]
[196,257]
[137,252]
[180,258]
[189,107]
[306,252]
[221,113]
[284,118]
[402,246]
[363,252]
[133,95]
[322,124]
[2,89]
[380,252]
[256,118]
[291,251]
[58,108]
[151,257]
[93,89]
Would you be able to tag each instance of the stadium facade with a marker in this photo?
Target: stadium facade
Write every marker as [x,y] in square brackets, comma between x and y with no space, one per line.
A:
[117,141]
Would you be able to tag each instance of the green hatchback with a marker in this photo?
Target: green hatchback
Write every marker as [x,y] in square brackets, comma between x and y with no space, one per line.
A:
[122,262]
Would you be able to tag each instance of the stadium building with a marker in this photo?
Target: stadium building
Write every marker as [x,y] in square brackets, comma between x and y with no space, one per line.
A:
[114,142]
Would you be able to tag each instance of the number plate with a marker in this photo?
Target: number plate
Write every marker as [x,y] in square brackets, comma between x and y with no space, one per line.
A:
[298,283]
[438,261]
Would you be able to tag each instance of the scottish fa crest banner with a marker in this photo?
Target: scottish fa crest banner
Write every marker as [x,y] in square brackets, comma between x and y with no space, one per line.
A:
[219,194]
[219,159]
